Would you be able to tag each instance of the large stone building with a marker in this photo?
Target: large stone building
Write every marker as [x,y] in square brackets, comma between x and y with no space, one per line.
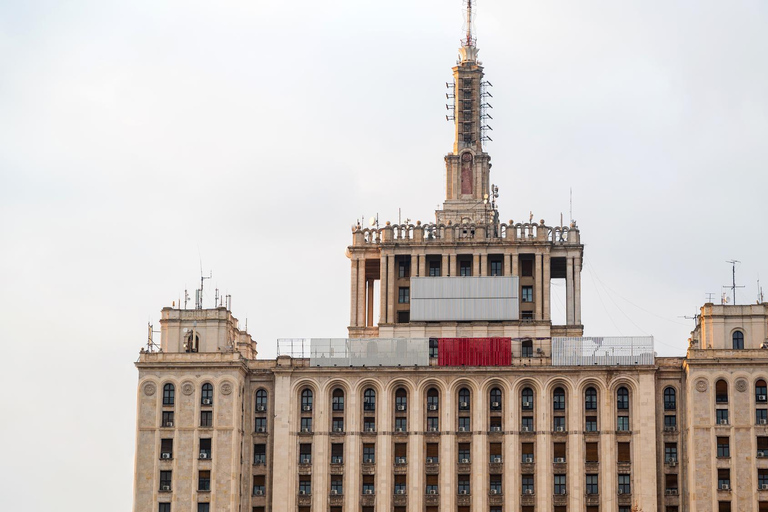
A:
[462,396]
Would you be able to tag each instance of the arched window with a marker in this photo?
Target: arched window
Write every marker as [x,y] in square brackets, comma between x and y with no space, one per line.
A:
[495,399]
[306,400]
[738,340]
[261,400]
[721,392]
[622,398]
[433,399]
[558,399]
[369,400]
[169,394]
[191,342]
[463,399]
[401,400]
[206,396]
[760,392]
[670,399]
[337,400]
[527,399]
[590,399]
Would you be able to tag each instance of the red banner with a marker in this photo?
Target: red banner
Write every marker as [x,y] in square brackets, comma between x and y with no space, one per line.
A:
[474,351]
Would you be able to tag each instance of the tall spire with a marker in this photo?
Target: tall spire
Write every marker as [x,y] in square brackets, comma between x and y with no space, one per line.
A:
[468,51]
[470,41]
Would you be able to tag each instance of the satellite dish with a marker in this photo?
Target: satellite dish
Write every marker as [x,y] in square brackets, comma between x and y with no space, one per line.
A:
[372,221]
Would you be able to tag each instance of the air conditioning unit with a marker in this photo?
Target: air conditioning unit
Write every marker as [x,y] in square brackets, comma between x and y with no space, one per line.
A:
[494,491]
[433,429]
[306,408]
[463,491]
[165,488]
[527,404]
[528,492]
[725,487]
[562,491]
[723,421]
[258,492]
[672,462]
[400,460]
[400,407]
[305,430]
[761,454]
[400,491]
[525,429]
[497,460]
[302,492]
[528,460]
[165,455]
[671,492]
[261,430]
[559,460]
[337,460]
[761,398]
[431,460]
[669,429]
[432,407]
[764,487]
[306,460]
[368,491]
[207,401]
[559,429]
[495,405]
[334,492]
[370,429]
[762,421]
[203,455]
[465,461]
[463,405]
[432,491]
[462,429]
[168,423]
[261,408]
[621,492]
[338,430]
[399,429]
[495,428]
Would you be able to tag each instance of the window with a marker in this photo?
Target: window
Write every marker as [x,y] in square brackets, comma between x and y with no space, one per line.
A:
[167,419]
[368,487]
[495,399]
[433,450]
[723,447]
[369,400]
[761,395]
[495,484]
[762,478]
[624,485]
[592,484]
[761,416]
[305,484]
[527,484]
[527,399]
[432,485]
[464,450]
[526,294]
[465,268]
[206,395]
[261,400]
[670,483]
[306,425]
[527,315]
[624,509]
[558,399]
[369,424]
[166,449]
[526,424]
[337,453]
[401,424]
[590,424]
[558,423]
[670,453]
[526,449]
[260,425]
[259,485]
[338,425]
[204,481]
[337,486]
[464,425]
[399,485]
[403,317]
[622,423]
[590,399]
[463,399]
[401,400]
[463,484]
[526,347]
[337,401]
[738,340]
[624,453]
[369,453]
[559,453]
[404,295]
[622,398]
[203,507]
[169,392]
[259,454]
[165,480]
[164,507]
[433,399]
[722,416]
[723,506]
[526,266]
[670,422]
[560,484]
[306,400]
[433,424]
[496,268]
[206,418]
[404,269]
[205,448]
[591,453]
[724,478]
[433,350]
[721,392]
[434,269]
[670,399]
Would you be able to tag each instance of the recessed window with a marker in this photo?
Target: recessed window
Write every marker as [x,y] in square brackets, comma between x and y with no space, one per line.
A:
[670,453]
[206,395]
[401,400]
[496,268]
[261,400]
[259,454]
[305,453]
[164,507]
[527,484]
[463,399]
[592,484]
[670,399]
[369,400]
[738,340]
[590,399]
[590,424]
[206,418]
[622,423]
[622,398]
[670,422]
[260,425]
[761,393]
[558,399]
[305,484]
[166,449]
[306,425]
[404,269]
[526,347]
[306,400]
[401,424]
[169,394]
[205,448]
[167,421]
[495,399]
[722,416]
[624,485]
[434,269]
[337,401]
[165,480]
[526,294]
[465,268]
[204,481]
[721,392]
[464,424]
[723,447]
[527,399]
[404,295]
[369,453]
[203,507]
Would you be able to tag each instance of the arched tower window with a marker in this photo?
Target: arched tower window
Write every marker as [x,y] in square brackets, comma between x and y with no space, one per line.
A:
[463,399]
[495,399]
[401,400]
[527,399]
[337,400]
[670,399]
[369,400]
[761,396]
[306,400]
[558,399]
[622,398]
[590,399]
[433,399]
[191,342]
[261,400]
[738,340]
[169,394]
[721,392]
[206,396]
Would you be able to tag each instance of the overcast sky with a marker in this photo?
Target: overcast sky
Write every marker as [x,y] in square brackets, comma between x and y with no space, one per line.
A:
[137,138]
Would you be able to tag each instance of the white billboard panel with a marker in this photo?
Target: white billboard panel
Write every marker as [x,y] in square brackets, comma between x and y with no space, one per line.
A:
[464,299]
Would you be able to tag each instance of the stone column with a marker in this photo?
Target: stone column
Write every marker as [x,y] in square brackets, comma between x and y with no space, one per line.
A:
[454,265]
[391,291]
[422,265]
[569,308]
[507,264]
[483,264]
[515,263]
[537,287]
[361,293]
[352,453]
[546,288]
[444,270]
[370,302]
[353,281]
[383,289]
[475,264]
[577,290]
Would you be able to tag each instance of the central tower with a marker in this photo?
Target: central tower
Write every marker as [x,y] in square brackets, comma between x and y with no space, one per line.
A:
[467,186]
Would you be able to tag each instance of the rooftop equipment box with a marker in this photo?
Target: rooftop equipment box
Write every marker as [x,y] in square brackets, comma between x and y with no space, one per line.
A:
[464,299]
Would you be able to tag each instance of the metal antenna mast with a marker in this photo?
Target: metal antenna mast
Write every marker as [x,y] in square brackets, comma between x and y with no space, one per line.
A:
[469,41]
[733,282]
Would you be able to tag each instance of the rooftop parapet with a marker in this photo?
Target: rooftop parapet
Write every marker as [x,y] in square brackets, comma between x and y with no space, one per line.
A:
[450,233]
[603,351]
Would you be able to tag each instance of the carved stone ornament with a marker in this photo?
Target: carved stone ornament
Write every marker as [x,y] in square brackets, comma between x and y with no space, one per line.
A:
[226,388]
[149,389]
[187,388]
[701,385]
[741,385]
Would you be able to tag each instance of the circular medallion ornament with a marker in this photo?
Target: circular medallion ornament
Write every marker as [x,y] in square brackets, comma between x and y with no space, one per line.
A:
[149,389]
[226,388]
[701,385]
[187,388]
[741,385]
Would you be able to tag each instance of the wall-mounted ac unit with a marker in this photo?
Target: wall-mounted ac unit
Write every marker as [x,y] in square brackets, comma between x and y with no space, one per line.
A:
[528,460]
[207,401]
[400,408]
[559,460]
[497,460]
[165,455]
[306,408]
[261,408]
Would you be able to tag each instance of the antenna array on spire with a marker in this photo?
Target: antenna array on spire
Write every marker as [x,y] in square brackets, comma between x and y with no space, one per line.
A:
[469,39]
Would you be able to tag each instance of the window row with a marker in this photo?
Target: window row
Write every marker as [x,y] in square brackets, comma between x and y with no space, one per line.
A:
[169,394]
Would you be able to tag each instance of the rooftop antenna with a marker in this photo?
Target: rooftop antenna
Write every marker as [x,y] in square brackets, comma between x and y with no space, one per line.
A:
[695,318]
[151,345]
[759,291]
[570,212]
[733,285]
[199,301]
[186,298]
[710,297]
[469,41]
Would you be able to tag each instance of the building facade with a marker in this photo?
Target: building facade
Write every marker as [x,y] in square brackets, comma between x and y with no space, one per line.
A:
[462,395]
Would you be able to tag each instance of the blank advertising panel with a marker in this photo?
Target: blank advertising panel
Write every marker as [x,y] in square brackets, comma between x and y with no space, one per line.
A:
[464,299]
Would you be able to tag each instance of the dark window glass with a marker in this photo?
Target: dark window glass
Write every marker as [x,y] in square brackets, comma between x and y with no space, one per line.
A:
[206,418]
[169,392]
[670,399]
[622,398]
[526,294]
[261,400]
[404,295]
[558,399]
[590,399]
[369,400]
[738,340]
[206,395]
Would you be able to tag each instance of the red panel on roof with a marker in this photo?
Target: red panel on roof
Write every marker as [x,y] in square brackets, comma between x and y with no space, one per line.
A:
[474,351]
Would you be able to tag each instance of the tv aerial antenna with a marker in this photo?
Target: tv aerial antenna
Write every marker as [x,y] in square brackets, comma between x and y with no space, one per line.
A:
[710,297]
[151,345]
[199,291]
[733,286]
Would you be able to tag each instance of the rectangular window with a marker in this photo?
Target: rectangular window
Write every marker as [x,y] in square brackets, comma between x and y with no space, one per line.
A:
[464,424]
[592,484]
[670,484]
[526,449]
[670,422]
[559,423]
[305,484]
[260,425]
[527,484]
[592,453]
[205,448]
[622,423]
[761,416]
[590,424]
[464,451]
[527,315]
[724,506]
[369,453]
[723,447]
[433,347]
[401,424]
[434,269]
[166,449]
[399,484]
[559,452]
[496,268]
[560,487]
[526,294]
[368,487]
[306,425]
[670,453]
[338,425]
[305,453]
[337,486]
[165,480]
[465,268]
[762,479]
[403,317]
[369,424]
[433,424]
[432,484]
[164,507]
[526,266]
[167,419]
[203,507]
[259,454]
[624,452]
[722,416]
[204,481]
[496,484]
[527,424]
[404,295]
[724,479]
[206,418]
[259,485]
[463,484]
[337,453]
[624,485]
[404,269]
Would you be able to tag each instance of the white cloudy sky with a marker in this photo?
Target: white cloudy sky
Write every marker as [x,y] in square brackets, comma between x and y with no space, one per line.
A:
[138,137]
